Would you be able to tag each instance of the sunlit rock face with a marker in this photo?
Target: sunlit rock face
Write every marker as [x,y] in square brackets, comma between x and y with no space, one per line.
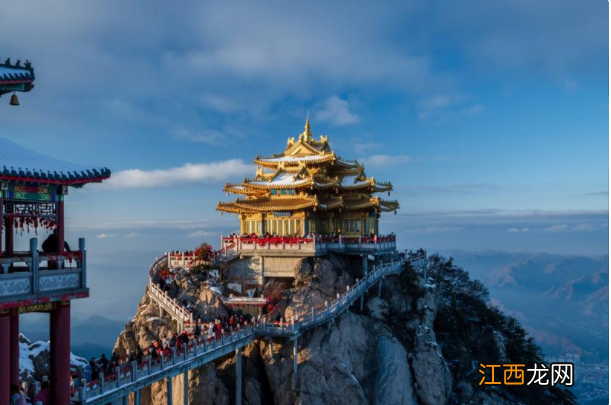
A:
[387,353]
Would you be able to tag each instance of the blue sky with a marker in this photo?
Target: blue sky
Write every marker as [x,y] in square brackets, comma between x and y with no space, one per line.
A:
[490,118]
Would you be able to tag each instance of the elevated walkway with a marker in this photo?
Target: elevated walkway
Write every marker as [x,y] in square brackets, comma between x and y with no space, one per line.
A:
[133,377]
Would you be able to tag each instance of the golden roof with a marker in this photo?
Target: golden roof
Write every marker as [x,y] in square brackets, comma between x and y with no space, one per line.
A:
[308,174]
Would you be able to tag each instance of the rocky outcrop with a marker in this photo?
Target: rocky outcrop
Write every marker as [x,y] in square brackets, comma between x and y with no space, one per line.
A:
[431,372]
[388,353]
[34,360]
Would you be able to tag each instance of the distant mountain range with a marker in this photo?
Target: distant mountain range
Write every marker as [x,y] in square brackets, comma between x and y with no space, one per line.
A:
[90,337]
[561,300]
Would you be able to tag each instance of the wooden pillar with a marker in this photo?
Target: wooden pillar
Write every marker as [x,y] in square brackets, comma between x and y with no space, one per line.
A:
[1,222]
[14,347]
[364,261]
[8,236]
[169,390]
[238,377]
[60,226]
[60,353]
[5,368]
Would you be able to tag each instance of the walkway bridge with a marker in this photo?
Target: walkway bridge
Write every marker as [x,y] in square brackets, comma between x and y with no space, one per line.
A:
[134,377]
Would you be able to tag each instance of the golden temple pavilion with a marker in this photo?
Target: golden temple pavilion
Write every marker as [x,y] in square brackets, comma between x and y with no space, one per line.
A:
[308,189]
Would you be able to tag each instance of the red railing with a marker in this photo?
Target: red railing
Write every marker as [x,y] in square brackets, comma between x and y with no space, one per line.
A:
[293,240]
[268,240]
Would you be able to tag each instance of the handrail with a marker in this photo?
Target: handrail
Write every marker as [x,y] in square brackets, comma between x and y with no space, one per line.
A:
[136,376]
[169,304]
[308,244]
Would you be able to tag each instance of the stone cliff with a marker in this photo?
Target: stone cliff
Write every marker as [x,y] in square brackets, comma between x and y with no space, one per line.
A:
[391,352]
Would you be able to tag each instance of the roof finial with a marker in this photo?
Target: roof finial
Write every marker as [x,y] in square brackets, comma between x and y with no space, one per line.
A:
[307,133]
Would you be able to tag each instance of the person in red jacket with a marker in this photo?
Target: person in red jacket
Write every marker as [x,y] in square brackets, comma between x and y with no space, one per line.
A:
[44,394]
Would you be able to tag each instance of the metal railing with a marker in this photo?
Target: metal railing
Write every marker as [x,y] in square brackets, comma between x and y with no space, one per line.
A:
[133,376]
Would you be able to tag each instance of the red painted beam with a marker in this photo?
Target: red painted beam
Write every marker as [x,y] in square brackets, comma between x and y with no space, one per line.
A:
[61,297]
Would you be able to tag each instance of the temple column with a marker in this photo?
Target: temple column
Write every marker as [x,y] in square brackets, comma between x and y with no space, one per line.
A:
[8,236]
[60,353]
[14,347]
[60,227]
[5,368]
[1,223]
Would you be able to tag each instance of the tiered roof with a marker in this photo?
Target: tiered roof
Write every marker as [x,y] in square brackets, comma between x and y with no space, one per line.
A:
[21,164]
[307,175]
[15,77]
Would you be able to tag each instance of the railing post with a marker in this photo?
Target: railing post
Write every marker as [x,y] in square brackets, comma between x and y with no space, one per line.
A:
[101,382]
[149,360]
[81,246]
[174,355]
[34,252]
[134,370]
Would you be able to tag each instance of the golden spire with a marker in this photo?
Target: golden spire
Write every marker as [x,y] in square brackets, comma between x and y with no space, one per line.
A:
[307,133]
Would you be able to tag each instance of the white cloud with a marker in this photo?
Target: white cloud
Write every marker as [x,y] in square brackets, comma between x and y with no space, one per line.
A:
[219,103]
[365,147]
[556,228]
[474,109]
[104,235]
[198,234]
[584,228]
[190,173]
[518,230]
[336,111]
[386,160]
[131,235]
[438,101]
[208,136]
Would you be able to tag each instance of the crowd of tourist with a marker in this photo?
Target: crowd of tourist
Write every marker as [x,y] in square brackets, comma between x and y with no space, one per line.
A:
[42,397]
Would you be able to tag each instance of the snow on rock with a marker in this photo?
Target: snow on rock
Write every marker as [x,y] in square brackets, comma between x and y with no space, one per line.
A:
[34,359]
